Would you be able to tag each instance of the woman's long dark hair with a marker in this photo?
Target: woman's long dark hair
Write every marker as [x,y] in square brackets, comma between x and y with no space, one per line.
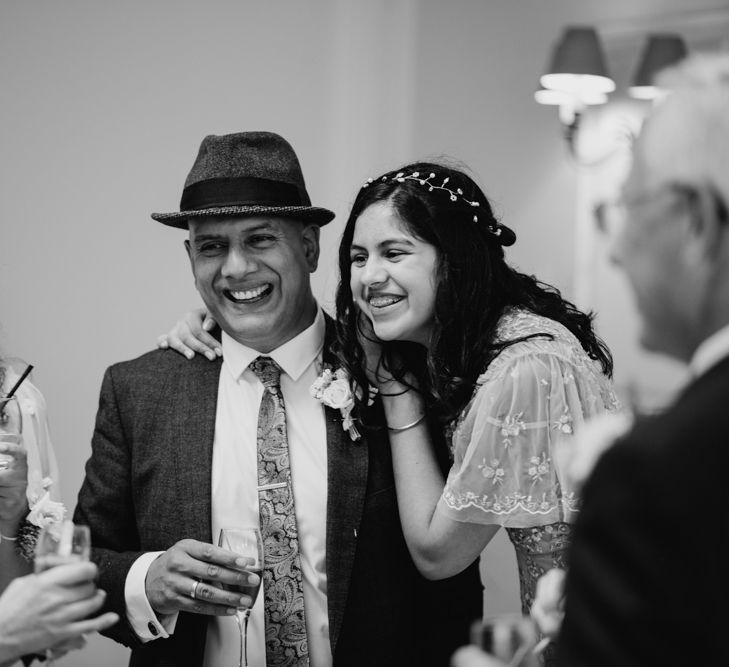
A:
[475,286]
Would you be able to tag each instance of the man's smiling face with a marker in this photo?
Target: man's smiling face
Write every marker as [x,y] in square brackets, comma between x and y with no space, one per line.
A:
[253,275]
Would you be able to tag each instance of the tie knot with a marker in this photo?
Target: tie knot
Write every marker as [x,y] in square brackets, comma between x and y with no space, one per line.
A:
[267,371]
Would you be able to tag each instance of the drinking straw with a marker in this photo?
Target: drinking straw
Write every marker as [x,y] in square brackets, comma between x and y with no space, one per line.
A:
[20,380]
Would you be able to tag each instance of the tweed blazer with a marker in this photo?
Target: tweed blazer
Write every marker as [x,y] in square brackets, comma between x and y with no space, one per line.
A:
[647,583]
[148,485]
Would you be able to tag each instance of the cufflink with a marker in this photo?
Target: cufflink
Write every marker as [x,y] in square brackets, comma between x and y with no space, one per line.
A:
[152,628]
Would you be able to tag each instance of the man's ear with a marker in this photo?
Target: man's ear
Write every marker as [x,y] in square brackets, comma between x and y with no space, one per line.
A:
[310,240]
[709,219]
[188,248]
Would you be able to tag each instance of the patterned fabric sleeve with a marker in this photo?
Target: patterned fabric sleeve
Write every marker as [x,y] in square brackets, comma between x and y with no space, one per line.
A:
[504,470]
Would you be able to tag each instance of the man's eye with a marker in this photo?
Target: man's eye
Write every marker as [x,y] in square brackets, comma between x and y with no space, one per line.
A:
[210,248]
[261,240]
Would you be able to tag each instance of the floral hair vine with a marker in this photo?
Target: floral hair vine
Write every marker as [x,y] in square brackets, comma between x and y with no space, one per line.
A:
[455,195]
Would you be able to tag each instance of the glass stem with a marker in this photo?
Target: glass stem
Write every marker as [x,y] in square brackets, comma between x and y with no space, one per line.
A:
[243,629]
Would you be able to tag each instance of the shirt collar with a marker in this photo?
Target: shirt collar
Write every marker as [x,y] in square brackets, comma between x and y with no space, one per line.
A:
[294,356]
[710,352]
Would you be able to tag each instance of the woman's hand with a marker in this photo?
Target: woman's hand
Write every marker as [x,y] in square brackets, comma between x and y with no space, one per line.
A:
[51,609]
[190,335]
[13,485]
[372,347]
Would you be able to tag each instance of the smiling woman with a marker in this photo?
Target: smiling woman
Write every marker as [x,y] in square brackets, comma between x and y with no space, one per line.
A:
[430,313]
[393,276]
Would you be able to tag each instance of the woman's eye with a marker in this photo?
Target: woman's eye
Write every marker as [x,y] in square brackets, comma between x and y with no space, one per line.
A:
[358,260]
[394,254]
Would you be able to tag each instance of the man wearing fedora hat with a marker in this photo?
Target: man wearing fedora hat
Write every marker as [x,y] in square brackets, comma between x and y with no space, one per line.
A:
[183,448]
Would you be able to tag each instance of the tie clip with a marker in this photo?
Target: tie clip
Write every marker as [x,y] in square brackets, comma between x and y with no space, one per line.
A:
[277,485]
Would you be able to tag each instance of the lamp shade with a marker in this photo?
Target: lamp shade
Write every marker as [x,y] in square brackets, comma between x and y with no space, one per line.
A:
[659,52]
[558,97]
[577,65]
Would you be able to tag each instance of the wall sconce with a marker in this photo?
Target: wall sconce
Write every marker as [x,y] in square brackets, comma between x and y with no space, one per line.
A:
[577,76]
[660,51]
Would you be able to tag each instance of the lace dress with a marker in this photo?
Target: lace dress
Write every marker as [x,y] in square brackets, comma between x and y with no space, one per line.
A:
[504,470]
[42,466]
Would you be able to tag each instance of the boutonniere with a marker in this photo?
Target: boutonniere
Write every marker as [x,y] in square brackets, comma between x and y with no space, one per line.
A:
[44,513]
[332,388]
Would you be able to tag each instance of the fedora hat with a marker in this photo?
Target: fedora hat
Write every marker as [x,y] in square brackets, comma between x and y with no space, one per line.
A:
[248,173]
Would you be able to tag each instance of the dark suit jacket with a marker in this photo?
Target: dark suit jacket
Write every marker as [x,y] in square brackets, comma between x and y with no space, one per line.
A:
[647,583]
[148,485]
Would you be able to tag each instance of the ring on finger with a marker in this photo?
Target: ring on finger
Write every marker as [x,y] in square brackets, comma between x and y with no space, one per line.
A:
[193,592]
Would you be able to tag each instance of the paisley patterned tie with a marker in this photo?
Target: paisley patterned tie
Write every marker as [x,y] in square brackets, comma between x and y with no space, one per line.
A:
[286,643]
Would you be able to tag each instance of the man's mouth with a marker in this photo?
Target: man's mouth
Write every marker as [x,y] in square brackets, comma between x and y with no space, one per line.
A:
[250,295]
[384,300]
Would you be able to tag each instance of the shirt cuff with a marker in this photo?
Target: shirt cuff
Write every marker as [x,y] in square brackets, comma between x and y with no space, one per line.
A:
[147,625]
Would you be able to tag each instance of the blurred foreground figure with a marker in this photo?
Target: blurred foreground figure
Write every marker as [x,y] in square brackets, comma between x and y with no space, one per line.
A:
[647,581]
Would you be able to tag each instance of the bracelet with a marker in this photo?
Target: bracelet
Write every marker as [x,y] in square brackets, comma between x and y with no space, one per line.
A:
[398,429]
[9,539]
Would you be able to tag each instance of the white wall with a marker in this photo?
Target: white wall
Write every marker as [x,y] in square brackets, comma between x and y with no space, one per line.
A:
[104,105]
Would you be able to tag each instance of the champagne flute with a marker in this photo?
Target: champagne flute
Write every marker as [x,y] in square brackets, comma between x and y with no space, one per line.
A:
[245,541]
[11,425]
[58,544]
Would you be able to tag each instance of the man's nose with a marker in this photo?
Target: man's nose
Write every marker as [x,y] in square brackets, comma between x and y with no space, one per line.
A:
[614,251]
[237,263]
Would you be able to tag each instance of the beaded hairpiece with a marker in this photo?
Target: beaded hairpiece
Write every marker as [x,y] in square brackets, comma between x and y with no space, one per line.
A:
[455,195]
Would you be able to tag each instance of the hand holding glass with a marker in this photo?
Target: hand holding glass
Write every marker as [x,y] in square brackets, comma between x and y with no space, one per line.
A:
[11,425]
[245,541]
[510,637]
[58,544]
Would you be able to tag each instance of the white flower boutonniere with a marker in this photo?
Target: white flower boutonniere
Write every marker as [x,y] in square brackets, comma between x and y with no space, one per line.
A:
[332,388]
[46,512]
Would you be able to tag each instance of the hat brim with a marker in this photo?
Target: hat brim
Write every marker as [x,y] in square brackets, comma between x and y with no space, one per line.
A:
[179,219]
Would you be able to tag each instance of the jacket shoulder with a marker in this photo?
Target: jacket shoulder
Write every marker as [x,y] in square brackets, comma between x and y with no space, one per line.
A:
[157,367]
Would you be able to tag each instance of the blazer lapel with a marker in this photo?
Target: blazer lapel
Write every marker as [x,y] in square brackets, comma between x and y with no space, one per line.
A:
[196,403]
[347,464]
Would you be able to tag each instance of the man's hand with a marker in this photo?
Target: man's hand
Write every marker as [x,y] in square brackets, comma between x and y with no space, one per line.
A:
[50,609]
[548,607]
[13,484]
[205,569]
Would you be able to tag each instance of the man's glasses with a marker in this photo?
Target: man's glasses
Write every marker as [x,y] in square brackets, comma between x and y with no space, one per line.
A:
[612,214]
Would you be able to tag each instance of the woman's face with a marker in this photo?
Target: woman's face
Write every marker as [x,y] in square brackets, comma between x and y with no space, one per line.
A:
[393,277]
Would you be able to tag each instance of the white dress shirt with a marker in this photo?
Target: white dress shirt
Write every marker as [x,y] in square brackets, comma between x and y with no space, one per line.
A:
[710,352]
[235,496]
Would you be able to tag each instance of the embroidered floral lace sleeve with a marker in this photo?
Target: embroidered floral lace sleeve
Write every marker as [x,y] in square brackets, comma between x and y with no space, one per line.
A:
[532,395]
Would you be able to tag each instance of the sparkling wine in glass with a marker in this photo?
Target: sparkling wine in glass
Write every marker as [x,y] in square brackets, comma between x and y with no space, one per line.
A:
[11,425]
[58,544]
[246,542]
